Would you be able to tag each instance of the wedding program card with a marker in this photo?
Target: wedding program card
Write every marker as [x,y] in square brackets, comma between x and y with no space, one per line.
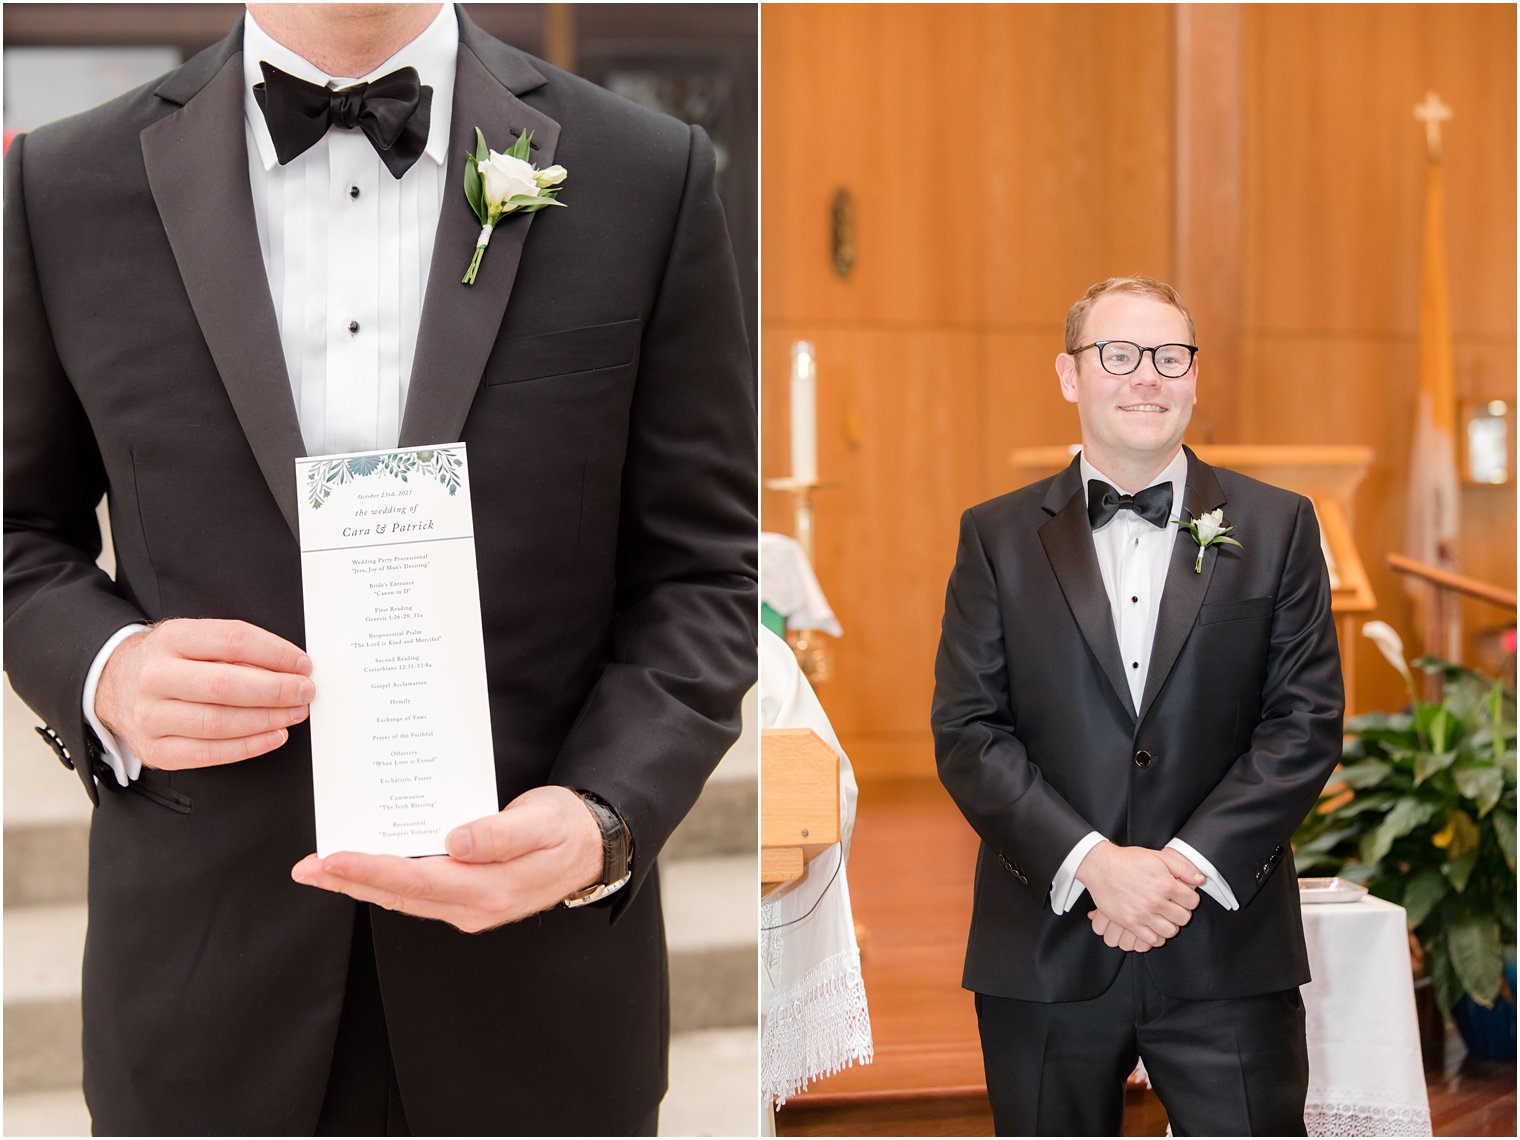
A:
[400,727]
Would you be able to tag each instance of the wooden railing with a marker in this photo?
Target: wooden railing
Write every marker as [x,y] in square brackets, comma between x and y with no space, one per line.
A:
[1452,582]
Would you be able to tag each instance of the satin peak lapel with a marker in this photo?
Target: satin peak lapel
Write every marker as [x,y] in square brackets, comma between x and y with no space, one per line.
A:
[197,165]
[1185,590]
[1067,538]
[460,322]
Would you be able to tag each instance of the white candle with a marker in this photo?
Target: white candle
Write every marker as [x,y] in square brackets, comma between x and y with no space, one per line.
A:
[804,413]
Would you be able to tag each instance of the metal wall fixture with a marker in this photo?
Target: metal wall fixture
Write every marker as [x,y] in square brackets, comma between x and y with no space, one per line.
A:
[842,247]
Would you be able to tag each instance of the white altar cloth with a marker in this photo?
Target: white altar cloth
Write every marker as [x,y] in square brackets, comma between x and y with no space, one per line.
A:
[1365,1073]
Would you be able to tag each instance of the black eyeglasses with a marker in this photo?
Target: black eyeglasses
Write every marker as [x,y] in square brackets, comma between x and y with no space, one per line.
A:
[1121,357]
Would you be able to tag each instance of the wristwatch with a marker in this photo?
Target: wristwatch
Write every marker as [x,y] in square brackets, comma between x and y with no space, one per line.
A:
[617,852]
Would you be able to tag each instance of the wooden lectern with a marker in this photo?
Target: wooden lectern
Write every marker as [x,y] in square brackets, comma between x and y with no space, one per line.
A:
[799,802]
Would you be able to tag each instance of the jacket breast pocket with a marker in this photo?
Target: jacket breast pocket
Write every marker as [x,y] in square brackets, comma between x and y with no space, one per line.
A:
[1235,611]
[565,353]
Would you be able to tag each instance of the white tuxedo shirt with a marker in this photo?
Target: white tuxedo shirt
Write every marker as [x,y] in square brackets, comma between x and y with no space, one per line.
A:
[1133,557]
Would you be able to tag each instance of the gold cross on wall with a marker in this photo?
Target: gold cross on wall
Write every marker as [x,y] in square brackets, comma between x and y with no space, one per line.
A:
[1432,112]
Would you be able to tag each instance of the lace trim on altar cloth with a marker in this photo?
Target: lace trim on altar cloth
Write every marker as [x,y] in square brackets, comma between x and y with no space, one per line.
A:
[815,1028]
[1333,1115]
[1336,1113]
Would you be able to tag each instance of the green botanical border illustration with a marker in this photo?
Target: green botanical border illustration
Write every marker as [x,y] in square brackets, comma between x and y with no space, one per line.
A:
[322,477]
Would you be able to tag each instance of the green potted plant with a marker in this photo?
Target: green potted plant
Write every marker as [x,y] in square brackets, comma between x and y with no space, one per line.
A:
[1422,811]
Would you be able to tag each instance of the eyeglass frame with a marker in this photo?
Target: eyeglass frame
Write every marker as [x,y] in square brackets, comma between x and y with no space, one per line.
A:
[1101,344]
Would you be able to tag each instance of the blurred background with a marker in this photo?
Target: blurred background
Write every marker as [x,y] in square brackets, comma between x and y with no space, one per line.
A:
[696,62]
[959,175]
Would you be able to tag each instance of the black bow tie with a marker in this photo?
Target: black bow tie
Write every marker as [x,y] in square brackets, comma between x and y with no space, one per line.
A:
[392,111]
[1153,504]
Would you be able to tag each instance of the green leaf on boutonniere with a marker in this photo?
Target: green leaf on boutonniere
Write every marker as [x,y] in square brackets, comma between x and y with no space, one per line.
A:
[472,190]
[531,203]
[520,147]
[482,152]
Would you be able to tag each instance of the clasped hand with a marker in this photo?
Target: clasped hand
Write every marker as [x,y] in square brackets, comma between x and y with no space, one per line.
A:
[1142,897]
[541,848]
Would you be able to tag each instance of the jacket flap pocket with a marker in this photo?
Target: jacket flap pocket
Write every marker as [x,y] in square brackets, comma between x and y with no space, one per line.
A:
[1235,611]
[160,791]
[565,352]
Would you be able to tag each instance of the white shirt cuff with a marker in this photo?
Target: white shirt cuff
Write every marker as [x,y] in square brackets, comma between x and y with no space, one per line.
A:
[1066,888]
[1214,885]
[113,750]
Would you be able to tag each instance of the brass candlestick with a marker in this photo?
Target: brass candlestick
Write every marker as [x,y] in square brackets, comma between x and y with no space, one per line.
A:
[809,645]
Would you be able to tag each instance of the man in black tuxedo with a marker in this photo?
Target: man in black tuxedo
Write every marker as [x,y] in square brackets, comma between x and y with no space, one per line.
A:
[1122,711]
[181,322]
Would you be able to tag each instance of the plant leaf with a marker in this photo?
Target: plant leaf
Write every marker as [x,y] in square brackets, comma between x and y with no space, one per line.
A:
[1476,956]
[1394,728]
[1406,815]
[1375,801]
[482,152]
[1324,842]
[1438,966]
[1504,832]
[521,146]
[1366,773]
[1482,785]
[1460,870]
[1422,894]
[1438,725]
[1357,873]
[1427,764]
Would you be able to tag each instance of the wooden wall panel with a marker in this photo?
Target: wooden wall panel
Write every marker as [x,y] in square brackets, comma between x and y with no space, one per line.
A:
[980,144]
[884,101]
[1077,157]
[894,432]
[1024,405]
[1209,197]
[994,180]
[1335,164]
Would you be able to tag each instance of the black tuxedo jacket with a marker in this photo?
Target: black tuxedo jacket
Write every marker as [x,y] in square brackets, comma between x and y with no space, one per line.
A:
[598,371]
[1038,740]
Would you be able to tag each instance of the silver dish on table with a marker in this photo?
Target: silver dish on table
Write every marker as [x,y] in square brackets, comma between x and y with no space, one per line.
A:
[1329,891]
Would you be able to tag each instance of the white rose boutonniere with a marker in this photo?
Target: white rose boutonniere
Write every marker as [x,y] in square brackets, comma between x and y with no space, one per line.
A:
[498,185]
[1207,530]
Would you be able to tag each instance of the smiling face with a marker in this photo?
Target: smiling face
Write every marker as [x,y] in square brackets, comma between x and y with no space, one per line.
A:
[1132,425]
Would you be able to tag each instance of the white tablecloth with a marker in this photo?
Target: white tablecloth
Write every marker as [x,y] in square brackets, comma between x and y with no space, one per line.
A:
[1365,1073]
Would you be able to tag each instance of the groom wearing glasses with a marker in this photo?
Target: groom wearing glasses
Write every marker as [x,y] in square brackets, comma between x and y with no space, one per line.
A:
[1137,705]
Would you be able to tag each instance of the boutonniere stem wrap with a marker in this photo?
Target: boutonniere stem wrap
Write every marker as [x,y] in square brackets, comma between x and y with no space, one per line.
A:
[1207,530]
[499,185]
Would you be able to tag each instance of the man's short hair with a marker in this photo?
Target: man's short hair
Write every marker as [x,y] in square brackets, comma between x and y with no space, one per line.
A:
[1144,286]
